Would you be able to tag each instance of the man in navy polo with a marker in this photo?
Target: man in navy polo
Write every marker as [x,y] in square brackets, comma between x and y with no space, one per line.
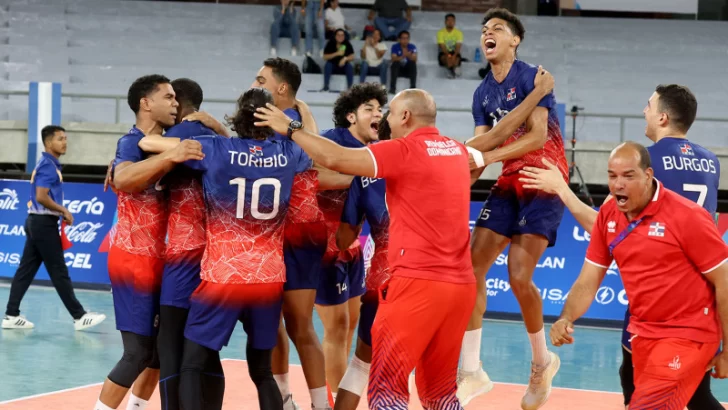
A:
[43,239]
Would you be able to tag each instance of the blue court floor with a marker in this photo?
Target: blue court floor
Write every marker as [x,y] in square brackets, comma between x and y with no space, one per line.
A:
[53,356]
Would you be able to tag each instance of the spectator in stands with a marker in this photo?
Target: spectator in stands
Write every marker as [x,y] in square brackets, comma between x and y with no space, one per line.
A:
[389,14]
[284,23]
[339,53]
[372,56]
[450,40]
[335,20]
[313,12]
[404,61]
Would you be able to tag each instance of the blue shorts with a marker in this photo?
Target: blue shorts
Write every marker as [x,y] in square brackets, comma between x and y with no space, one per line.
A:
[341,281]
[215,309]
[625,334]
[510,210]
[303,266]
[135,289]
[366,319]
[181,277]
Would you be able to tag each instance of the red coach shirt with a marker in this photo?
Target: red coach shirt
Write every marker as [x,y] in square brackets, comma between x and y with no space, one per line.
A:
[662,262]
[428,197]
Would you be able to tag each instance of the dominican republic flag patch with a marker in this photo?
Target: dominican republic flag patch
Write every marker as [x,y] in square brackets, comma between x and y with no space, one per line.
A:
[511,94]
[656,229]
[256,151]
[686,149]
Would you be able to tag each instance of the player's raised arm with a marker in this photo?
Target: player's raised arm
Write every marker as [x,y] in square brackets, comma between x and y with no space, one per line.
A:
[352,161]
[494,137]
[135,177]
[156,144]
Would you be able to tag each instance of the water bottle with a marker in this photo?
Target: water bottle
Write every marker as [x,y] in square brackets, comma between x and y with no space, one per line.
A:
[477,55]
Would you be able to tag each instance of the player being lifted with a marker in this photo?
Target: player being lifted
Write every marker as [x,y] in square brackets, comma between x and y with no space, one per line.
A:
[527,220]
[681,166]
[357,113]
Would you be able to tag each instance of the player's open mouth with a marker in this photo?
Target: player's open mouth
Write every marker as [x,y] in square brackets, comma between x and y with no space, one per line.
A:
[621,199]
[489,45]
[375,126]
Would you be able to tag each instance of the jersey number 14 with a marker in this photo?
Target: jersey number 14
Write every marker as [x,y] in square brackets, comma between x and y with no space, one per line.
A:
[255,197]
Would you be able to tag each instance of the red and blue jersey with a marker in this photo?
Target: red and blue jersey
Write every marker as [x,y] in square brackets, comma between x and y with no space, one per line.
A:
[492,101]
[687,169]
[247,186]
[332,202]
[186,206]
[47,174]
[366,199]
[142,225]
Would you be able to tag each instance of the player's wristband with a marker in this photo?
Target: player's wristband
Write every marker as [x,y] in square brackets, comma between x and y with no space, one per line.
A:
[477,157]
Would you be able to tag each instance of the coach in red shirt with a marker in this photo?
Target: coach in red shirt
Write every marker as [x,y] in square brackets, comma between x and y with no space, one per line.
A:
[673,265]
[424,309]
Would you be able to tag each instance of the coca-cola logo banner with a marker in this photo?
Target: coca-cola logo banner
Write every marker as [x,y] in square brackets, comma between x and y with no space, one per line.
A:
[93,213]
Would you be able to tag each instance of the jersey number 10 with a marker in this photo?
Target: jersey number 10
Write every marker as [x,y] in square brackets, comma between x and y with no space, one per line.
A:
[255,197]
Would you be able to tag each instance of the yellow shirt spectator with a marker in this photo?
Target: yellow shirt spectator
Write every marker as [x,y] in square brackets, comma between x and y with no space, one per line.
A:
[449,38]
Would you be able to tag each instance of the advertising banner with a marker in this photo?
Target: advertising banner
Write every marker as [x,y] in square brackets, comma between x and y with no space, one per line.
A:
[637,6]
[93,212]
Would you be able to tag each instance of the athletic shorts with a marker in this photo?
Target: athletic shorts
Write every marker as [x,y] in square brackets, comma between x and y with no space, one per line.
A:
[512,210]
[181,277]
[420,323]
[668,371]
[303,266]
[367,312]
[136,281]
[625,334]
[216,308]
[341,281]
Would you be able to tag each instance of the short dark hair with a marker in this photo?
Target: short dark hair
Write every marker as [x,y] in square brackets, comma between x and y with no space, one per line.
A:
[384,132]
[514,23]
[142,87]
[285,71]
[49,131]
[404,32]
[448,15]
[350,100]
[243,121]
[188,93]
[645,159]
[680,105]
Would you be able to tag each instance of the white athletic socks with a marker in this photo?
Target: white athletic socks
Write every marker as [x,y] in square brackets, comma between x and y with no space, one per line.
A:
[470,355]
[538,348]
[282,381]
[101,406]
[135,403]
[320,398]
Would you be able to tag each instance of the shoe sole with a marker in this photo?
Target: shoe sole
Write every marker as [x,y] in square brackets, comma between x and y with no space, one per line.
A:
[488,387]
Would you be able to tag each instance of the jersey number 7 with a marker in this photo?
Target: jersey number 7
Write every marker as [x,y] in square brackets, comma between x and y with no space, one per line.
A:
[255,197]
[702,191]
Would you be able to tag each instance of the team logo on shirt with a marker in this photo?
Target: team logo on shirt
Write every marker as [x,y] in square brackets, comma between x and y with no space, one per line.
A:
[610,226]
[656,229]
[511,94]
[256,151]
[686,149]
[675,364]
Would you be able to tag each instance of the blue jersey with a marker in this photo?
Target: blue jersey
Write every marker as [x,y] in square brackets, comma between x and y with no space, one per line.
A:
[366,199]
[493,100]
[47,174]
[688,169]
[247,187]
[332,201]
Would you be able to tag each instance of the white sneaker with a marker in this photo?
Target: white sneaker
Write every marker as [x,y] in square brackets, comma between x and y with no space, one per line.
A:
[273,52]
[473,384]
[458,72]
[17,322]
[289,404]
[294,52]
[321,53]
[539,385]
[88,320]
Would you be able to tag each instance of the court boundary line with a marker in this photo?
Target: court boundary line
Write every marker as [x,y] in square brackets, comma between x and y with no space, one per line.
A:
[35,396]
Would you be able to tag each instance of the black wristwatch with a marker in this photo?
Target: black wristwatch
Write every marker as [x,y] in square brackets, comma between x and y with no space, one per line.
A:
[294,126]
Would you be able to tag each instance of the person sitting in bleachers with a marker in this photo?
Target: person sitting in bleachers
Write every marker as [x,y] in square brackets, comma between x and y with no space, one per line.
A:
[404,61]
[450,39]
[372,57]
[285,24]
[389,14]
[339,53]
[335,20]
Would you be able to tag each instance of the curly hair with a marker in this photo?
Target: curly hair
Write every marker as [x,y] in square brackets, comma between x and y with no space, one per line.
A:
[514,23]
[243,121]
[350,100]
